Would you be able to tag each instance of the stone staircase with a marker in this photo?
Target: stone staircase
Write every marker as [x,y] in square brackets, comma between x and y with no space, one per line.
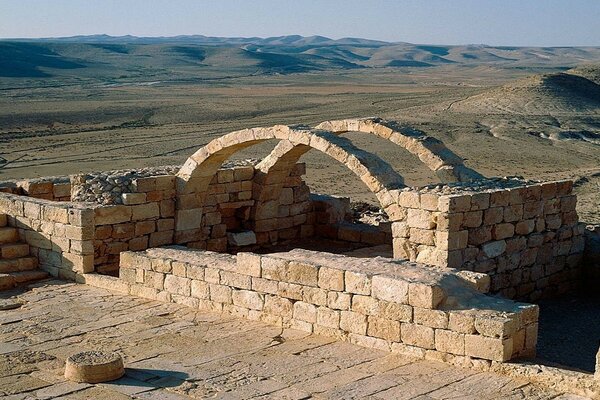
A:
[17,266]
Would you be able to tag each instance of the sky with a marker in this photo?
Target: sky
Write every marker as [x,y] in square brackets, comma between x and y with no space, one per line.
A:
[492,22]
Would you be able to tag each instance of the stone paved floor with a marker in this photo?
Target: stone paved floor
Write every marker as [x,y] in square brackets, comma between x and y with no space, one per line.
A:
[174,352]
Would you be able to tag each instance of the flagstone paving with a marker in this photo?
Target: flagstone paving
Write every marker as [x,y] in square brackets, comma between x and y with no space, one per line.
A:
[175,352]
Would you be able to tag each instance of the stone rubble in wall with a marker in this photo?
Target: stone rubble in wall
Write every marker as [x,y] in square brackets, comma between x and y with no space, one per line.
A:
[482,185]
[106,187]
[366,213]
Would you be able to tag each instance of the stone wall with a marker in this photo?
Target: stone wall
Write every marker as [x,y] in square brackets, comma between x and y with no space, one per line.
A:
[525,235]
[59,234]
[56,188]
[384,304]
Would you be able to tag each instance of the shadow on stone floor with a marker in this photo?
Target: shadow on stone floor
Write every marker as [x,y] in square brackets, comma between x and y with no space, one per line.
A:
[569,331]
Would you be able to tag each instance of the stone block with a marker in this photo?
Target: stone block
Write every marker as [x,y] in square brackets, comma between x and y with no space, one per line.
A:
[472,219]
[331,279]
[247,299]
[420,219]
[328,318]
[356,282]
[302,273]
[494,249]
[496,326]
[383,328]
[436,319]
[353,322]
[177,285]
[244,238]
[339,301]
[447,240]
[133,198]
[455,203]
[235,280]
[274,268]
[390,289]
[417,335]
[305,312]
[109,215]
[422,236]
[503,231]
[199,289]
[488,348]
[145,211]
[366,305]
[220,294]
[449,342]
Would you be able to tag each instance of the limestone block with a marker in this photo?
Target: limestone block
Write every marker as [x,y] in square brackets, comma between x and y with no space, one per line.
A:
[454,203]
[449,342]
[244,238]
[422,236]
[400,230]
[349,233]
[494,249]
[264,285]
[109,215]
[356,282]
[480,201]
[247,299]
[274,268]
[513,213]
[447,240]
[390,289]
[32,210]
[235,280]
[305,312]
[177,285]
[290,290]
[353,322]
[161,238]
[302,273]
[154,279]
[278,306]
[55,214]
[199,289]
[417,335]
[420,219]
[220,293]
[365,305]
[433,256]
[145,211]
[488,348]
[395,311]
[314,295]
[503,231]
[461,321]
[188,219]
[496,326]
[328,318]
[339,301]
[436,319]
[409,199]
[249,263]
[429,201]
[133,198]
[525,227]
[383,328]
[472,219]
[450,222]
[331,279]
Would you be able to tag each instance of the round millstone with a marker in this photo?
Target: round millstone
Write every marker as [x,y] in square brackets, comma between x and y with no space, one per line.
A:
[94,367]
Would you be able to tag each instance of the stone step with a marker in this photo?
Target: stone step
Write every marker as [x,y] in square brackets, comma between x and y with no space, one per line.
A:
[14,250]
[12,279]
[8,235]
[3,220]
[18,264]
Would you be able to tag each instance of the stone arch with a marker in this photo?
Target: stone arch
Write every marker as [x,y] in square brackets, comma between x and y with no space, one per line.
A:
[194,178]
[448,166]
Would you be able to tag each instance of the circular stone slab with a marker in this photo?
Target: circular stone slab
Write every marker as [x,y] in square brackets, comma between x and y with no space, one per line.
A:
[94,367]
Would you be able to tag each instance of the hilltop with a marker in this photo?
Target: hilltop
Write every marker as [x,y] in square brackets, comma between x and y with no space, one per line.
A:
[197,58]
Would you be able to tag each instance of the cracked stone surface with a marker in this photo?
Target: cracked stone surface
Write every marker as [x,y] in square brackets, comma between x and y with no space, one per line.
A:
[174,352]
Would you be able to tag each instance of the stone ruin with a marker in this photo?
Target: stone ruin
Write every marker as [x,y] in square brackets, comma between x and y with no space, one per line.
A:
[213,234]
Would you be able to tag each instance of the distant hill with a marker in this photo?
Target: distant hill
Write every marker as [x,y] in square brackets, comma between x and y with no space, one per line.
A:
[197,57]
[558,93]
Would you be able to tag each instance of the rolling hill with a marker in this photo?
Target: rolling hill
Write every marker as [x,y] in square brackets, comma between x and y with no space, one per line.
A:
[198,57]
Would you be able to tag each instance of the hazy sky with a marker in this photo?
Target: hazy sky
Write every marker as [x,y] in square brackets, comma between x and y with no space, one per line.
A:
[494,22]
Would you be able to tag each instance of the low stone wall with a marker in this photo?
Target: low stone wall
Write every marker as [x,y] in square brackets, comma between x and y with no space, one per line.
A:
[56,188]
[525,235]
[59,234]
[379,303]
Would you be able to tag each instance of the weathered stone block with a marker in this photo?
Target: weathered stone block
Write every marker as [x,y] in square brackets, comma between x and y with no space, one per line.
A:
[449,342]
[417,335]
[357,283]
[353,322]
[383,328]
[488,348]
